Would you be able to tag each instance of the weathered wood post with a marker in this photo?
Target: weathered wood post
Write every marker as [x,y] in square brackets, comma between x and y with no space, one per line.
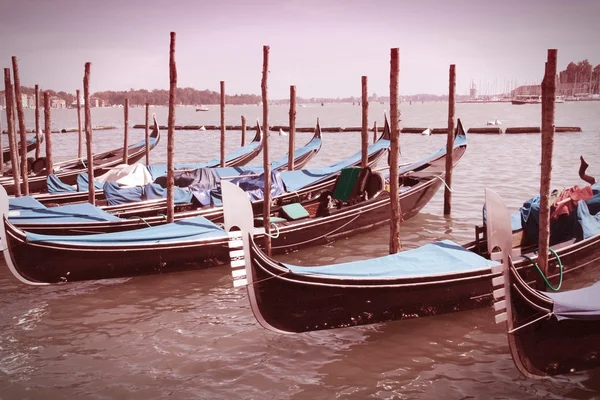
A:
[22,129]
[147,133]
[222,123]
[395,243]
[364,133]
[10,126]
[243,130]
[79,138]
[450,141]
[126,131]
[292,133]
[171,132]
[265,149]
[88,133]
[548,106]
[47,135]
[374,131]
[37,122]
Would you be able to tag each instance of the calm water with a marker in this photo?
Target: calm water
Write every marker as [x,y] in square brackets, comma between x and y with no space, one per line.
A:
[191,335]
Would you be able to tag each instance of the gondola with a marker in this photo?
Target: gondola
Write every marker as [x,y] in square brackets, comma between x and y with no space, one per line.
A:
[67,171]
[549,333]
[192,242]
[302,156]
[87,219]
[437,278]
[31,144]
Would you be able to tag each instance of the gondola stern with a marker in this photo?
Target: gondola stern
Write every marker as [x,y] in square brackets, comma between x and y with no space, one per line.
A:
[259,134]
[386,135]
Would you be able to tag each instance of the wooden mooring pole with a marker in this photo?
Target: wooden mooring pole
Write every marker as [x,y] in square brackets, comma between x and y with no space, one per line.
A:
[548,106]
[10,126]
[450,141]
[1,152]
[222,123]
[79,138]
[292,133]
[364,133]
[171,132]
[147,133]
[47,135]
[395,243]
[37,122]
[88,133]
[126,131]
[22,129]
[374,131]
[243,130]
[266,164]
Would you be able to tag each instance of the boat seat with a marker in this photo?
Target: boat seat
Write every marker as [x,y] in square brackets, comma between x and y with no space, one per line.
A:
[350,183]
[294,211]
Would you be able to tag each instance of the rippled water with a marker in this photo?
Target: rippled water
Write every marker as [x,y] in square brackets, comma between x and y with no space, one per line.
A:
[191,335]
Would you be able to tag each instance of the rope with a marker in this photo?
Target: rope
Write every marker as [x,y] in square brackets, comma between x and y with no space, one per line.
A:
[560,274]
[140,218]
[444,182]
[545,316]
[276,235]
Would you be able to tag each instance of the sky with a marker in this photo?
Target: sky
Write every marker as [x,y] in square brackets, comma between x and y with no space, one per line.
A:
[321,46]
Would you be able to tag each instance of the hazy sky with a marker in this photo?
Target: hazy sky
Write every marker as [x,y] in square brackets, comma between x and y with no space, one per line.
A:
[321,46]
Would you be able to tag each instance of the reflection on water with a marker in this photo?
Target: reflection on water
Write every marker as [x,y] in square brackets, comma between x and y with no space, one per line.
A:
[191,335]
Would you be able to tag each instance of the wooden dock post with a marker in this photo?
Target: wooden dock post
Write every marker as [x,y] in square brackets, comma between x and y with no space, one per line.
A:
[265,149]
[450,141]
[292,133]
[243,130]
[10,126]
[364,133]
[37,122]
[22,129]
[79,138]
[87,114]
[126,131]
[147,133]
[374,131]
[1,152]
[395,243]
[171,132]
[47,135]
[548,107]
[222,123]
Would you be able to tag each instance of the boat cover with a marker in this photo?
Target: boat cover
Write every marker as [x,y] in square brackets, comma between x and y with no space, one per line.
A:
[55,185]
[434,259]
[24,203]
[127,175]
[84,212]
[83,183]
[253,186]
[590,223]
[564,228]
[296,180]
[186,230]
[581,304]
[116,194]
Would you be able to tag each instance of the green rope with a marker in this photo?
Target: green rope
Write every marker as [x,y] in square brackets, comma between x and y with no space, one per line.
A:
[560,274]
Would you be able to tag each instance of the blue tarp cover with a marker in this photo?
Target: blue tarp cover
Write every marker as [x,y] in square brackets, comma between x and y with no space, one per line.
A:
[186,230]
[565,227]
[438,258]
[590,223]
[582,304]
[84,212]
[296,180]
[115,194]
[24,203]
[83,183]
[55,185]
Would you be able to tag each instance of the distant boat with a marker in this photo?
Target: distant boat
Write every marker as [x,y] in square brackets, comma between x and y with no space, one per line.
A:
[282,133]
[202,108]
[202,128]
[426,132]
[559,99]
[496,122]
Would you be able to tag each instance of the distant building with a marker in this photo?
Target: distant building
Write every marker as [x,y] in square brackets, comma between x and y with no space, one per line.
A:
[94,102]
[473,91]
[31,102]
[25,100]
[55,102]
[3,101]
